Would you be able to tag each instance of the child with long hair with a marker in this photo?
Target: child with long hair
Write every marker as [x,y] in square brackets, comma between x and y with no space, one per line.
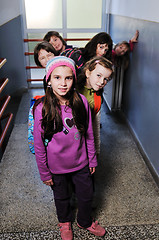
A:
[95,75]
[99,45]
[64,146]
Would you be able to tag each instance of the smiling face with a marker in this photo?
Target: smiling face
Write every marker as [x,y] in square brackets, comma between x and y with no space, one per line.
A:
[61,82]
[121,49]
[101,49]
[97,78]
[44,57]
[57,43]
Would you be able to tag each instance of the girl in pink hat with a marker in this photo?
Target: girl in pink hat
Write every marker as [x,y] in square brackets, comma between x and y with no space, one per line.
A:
[64,146]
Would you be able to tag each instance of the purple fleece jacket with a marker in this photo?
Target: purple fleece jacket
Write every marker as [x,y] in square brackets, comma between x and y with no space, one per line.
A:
[68,151]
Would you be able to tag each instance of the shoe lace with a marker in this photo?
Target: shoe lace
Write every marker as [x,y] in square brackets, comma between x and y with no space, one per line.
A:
[64,226]
[95,224]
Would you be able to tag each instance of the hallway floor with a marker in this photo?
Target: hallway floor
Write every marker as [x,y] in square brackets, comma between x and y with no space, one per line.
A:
[127,195]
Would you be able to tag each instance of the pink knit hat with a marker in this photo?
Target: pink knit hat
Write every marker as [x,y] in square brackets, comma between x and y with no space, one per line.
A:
[57,62]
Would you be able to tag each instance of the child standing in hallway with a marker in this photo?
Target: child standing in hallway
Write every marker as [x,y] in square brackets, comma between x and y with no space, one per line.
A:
[96,74]
[64,146]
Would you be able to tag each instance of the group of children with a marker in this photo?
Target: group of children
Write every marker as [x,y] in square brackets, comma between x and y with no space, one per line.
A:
[67,122]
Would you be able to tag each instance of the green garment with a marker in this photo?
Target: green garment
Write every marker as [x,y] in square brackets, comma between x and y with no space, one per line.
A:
[89,94]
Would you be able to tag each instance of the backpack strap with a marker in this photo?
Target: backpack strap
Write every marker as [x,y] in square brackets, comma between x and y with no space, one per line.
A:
[33,101]
[97,103]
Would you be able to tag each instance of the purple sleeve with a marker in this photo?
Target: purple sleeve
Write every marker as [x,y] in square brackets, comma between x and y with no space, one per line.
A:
[90,137]
[40,152]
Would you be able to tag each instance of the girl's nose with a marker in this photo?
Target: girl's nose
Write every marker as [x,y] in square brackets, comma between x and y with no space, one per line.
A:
[102,81]
[106,49]
[47,59]
[63,81]
[103,51]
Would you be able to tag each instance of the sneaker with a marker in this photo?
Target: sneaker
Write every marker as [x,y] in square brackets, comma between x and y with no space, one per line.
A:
[95,229]
[66,231]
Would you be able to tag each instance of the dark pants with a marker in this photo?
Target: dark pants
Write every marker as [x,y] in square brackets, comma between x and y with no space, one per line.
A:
[82,181]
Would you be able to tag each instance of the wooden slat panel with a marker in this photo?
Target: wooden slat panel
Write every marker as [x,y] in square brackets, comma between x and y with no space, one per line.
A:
[33,67]
[29,53]
[34,80]
[3,82]
[3,104]
[9,116]
[2,61]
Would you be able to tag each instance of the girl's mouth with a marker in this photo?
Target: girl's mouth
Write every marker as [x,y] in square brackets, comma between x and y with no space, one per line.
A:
[63,89]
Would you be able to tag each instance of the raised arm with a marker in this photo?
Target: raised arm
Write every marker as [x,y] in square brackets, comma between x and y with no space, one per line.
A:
[135,37]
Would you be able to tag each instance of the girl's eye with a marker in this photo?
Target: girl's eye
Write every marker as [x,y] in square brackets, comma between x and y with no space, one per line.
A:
[98,75]
[108,79]
[50,56]
[69,78]
[57,77]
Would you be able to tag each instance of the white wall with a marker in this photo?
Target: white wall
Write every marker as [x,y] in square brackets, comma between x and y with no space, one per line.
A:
[141,9]
[9,9]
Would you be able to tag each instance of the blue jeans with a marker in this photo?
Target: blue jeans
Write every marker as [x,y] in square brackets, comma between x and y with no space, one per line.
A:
[82,181]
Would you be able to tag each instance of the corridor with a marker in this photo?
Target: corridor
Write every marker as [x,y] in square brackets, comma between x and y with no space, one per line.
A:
[127,195]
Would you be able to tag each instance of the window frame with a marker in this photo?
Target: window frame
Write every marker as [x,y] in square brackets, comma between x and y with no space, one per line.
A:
[64,30]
